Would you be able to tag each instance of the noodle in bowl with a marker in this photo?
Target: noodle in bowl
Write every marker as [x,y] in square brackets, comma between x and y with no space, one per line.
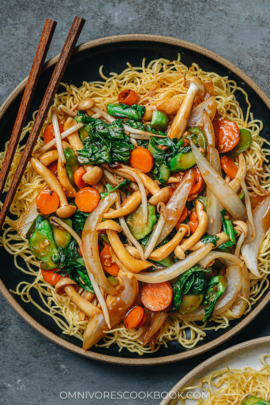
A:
[159,80]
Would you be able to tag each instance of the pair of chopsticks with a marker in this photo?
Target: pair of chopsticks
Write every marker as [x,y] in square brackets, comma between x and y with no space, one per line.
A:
[53,85]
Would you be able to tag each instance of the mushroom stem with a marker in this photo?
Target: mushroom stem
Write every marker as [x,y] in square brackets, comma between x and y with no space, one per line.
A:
[52,155]
[128,206]
[200,231]
[65,210]
[181,119]
[57,135]
[64,180]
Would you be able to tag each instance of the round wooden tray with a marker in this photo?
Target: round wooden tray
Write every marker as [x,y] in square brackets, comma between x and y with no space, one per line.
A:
[113,53]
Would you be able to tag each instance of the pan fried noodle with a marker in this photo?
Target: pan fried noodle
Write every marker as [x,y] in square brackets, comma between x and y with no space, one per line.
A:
[230,386]
[161,79]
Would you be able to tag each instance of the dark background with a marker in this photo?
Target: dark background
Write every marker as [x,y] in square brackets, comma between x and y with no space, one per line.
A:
[33,370]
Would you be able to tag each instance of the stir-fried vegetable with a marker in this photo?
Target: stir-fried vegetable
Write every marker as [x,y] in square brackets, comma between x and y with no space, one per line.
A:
[252,400]
[106,143]
[216,287]
[133,112]
[139,229]
[61,237]
[185,159]
[47,201]
[191,282]
[42,243]
[72,264]
[128,97]
[160,120]
[71,164]
[243,144]
[228,135]
[141,159]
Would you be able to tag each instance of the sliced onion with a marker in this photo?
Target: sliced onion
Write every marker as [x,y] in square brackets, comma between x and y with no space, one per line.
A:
[57,135]
[152,242]
[27,218]
[127,232]
[89,246]
[241,174]
[223,192]
[234,284]
[209,105]
[252,235]
[142,191]
[250,251]
[239,244]
[220,255]
[118,306]
[177,268]
[240,304]
[213,205]
[157,319]
[176,204]
[208,129]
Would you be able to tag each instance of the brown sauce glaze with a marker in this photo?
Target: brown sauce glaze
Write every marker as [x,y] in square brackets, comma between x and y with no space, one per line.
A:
[256,200]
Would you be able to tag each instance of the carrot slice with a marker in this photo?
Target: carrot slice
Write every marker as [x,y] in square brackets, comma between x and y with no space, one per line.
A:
[107,261]
[141,159]
[77,177]
[194,222]
[157,297]
[183,215]
[50,276]
[87,199]
[228,135]
[128,97]
[48,134]
[47,201]
[53,168]
[199,183]
[133,317]
[229,166]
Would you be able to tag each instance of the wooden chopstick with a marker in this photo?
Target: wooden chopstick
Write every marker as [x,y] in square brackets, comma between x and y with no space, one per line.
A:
[57,75]
[30,88]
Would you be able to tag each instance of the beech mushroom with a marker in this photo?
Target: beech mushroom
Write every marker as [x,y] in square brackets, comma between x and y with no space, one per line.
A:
[66,286]
[52,155]
[109,225]
[200,231]
[93,173]
[132,265]
[86,104]
[161,196]
[128,206]
[181,119]
[165,250]
[65,210]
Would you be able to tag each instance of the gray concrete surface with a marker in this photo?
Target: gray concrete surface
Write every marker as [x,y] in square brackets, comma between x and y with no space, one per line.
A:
[33,370]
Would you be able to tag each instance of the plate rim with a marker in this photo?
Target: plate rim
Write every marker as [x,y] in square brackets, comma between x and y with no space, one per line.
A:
[217,357]
[106,357]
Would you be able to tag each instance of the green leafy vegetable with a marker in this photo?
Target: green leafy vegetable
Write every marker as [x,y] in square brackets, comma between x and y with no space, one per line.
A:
[120,186]
[191,282]
[106,143]
[71,164]
[78,220]
[134,112]
[216,287]
[227,227]
[42,243]
[210,239]
[72,264]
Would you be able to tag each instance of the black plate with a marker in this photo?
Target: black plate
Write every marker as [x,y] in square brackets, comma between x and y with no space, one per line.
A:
[113,54]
